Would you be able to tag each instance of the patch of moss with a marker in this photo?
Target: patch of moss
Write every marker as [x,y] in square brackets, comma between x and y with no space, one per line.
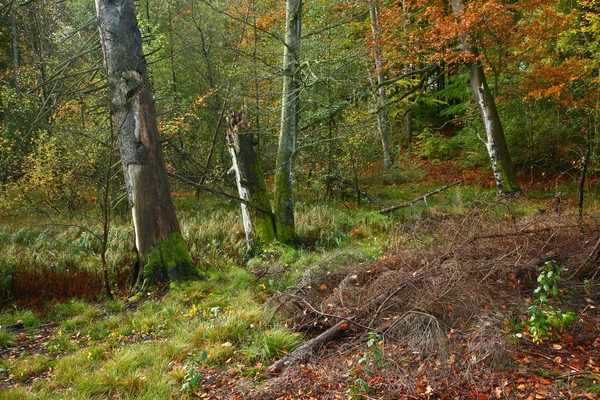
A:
[170,258]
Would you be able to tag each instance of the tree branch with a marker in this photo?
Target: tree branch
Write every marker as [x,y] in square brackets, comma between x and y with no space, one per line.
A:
[221,193]
[410,203]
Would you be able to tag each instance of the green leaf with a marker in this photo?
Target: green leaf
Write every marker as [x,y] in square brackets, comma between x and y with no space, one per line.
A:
[377,354]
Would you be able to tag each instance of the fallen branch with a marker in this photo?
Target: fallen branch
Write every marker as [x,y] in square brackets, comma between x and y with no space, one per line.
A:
[303,352]
[355,187]
[410,203]
[517,233]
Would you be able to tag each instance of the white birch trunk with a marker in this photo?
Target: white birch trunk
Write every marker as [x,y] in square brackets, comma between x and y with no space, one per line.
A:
[501,163]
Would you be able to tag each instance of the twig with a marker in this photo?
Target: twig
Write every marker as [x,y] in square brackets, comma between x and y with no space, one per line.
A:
[553,360]
[424,197]
[347,319]
[395,292]
[221,193]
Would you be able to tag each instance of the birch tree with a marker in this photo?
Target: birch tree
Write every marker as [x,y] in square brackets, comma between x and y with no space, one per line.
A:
[290,116]
[162,253]
[501,163]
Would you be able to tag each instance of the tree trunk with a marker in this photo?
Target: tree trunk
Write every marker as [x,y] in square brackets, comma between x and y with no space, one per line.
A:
[15,45]
[258,225]
[408,129]
[502,166]
[290,115]
[382,114]
[162,253]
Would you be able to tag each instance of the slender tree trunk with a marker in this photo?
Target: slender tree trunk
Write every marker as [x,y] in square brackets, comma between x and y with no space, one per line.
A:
[408,129]
[382,114]
[38,45]
[15,45]
[258,225]
[290,115]
[502,166]
[171,52]
[162,253]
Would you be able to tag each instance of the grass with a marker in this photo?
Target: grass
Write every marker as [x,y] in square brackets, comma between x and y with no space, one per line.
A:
[114,349]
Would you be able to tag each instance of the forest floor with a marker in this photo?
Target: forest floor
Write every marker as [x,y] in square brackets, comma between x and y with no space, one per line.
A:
[464,295]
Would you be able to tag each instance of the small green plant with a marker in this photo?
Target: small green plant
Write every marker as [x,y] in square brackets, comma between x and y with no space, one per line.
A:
[370,358]
[543,316]
[192,381]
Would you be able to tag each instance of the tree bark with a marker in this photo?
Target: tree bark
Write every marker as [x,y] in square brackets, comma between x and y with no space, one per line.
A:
[162,253]
[382,114]
[258,225]
[290,115]
[502,166]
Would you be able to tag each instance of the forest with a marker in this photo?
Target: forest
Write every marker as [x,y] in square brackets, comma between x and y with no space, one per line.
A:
[299,199]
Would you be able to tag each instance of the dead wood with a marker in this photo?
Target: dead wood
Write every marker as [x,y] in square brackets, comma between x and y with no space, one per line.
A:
[423,197]
[14,327]
[303,352]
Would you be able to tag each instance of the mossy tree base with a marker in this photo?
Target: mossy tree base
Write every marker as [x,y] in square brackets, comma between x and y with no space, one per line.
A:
[168,261]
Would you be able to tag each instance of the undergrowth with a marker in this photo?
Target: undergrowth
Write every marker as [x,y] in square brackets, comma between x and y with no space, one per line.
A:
[159,347]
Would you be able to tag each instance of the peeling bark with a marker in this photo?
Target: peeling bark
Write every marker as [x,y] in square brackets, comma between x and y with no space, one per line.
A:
[162,254]
[258,225]
[290,116]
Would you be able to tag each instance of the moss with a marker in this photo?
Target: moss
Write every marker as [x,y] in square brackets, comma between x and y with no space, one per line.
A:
[170,260]
[284,210]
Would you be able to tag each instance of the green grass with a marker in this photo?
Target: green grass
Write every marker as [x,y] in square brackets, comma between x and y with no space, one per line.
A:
[7,338]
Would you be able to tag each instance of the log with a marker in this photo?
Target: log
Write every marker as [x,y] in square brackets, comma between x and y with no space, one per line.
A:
[410,203]
[303,352]
[19,326]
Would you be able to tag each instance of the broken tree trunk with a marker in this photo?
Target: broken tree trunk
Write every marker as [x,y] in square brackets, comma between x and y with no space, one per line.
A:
[303,352]
[162,253]
[425,196]
[258,225]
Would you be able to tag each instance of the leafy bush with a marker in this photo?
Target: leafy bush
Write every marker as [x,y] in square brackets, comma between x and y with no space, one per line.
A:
[543,317]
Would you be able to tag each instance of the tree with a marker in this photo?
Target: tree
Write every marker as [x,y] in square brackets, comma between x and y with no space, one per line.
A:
[290,117]
[443,36]
[502,167]
[162,253]
[382,114]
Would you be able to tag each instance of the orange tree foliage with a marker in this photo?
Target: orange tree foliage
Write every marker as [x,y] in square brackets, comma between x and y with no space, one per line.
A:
[548,46]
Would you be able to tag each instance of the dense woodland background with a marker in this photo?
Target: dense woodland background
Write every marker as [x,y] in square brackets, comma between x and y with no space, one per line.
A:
[390,96]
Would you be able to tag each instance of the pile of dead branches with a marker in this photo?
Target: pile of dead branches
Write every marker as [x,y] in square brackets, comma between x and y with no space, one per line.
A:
[459,279]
